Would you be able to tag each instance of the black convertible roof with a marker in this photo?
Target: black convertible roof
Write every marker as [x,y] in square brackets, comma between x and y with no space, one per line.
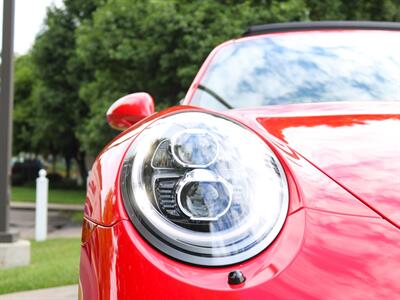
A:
[304,26]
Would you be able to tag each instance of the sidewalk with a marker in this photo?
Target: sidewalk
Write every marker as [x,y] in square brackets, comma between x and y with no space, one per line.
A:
[59,223]
[60,293]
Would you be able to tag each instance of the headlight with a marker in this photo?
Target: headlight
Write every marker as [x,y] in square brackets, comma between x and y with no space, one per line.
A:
[204,190]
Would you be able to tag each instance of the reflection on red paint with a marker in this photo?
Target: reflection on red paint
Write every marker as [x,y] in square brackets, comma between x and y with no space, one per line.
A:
[337,256]
[332,246]
[277,125]
[361,152]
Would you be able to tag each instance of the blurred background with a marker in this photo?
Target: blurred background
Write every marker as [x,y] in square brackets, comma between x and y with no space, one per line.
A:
[74,58]
[88,53]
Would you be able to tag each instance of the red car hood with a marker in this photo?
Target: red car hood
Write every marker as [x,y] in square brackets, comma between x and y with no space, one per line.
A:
[357,144]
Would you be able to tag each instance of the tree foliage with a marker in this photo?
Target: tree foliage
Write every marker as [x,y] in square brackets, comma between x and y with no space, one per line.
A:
[23,109]
[55,75]
[158,46]
[92,52]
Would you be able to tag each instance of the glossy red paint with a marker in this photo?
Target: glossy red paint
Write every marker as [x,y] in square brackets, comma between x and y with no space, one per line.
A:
[340,240]
[337,256]
[130,109]
[357,146]
[329,232]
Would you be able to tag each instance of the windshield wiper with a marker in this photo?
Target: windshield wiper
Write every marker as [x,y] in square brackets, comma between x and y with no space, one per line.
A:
[215,96]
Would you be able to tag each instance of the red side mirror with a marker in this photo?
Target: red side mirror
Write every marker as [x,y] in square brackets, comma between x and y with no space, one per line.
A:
[130,109]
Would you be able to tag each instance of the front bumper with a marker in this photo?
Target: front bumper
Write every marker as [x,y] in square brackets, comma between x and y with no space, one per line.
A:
[318,255]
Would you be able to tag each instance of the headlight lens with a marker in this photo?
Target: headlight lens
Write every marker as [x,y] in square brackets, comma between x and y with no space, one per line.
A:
[204,189]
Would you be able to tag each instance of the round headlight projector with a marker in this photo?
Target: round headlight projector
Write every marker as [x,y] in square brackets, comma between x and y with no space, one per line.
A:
[203,189]
[194,148]
[203,196]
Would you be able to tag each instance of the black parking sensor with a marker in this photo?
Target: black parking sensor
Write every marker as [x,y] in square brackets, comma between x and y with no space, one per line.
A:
[236,277]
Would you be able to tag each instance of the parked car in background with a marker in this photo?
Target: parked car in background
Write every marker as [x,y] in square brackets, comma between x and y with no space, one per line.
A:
[277,177]
[25,171]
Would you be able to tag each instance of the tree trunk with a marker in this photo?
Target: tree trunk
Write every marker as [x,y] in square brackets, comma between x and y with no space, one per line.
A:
[53,163]
[80,160]
[68,167]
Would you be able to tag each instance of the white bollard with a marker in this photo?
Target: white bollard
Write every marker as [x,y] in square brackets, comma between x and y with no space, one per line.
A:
[42,191]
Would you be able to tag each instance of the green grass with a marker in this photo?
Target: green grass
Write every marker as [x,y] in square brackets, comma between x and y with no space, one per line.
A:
[53,263]
[27,194]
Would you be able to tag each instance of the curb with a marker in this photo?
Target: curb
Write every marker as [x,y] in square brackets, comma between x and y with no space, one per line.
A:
[60,293]
[51,206]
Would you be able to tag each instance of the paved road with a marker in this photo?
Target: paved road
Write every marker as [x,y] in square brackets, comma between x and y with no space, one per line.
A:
[61,293]
[59,224]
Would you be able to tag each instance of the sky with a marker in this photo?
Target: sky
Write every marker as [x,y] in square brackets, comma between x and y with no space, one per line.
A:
[29,17]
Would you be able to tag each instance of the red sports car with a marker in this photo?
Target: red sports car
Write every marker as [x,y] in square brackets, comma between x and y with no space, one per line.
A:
[278,176]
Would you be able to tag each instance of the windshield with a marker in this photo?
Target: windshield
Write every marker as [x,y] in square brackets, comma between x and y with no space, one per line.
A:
[300,67]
